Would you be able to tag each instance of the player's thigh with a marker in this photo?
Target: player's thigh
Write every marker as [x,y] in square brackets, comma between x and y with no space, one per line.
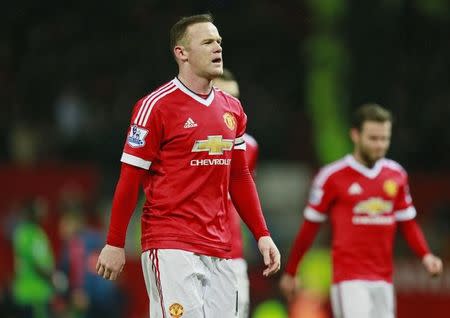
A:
[239,267]
[382,294]
[175,281]
[221,295]
[351,299]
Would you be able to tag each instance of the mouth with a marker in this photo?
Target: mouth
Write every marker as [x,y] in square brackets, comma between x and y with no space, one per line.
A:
[217,60]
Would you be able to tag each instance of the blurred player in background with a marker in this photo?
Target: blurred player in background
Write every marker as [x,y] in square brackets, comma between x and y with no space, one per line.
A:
[366,197]
[87,295]
[227,83]
[33,263]
[186,147]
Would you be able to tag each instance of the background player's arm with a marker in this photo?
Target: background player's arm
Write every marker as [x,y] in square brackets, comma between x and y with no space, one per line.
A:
[289,285]
[416,241]
[320,199]
[245,199]
[405,215]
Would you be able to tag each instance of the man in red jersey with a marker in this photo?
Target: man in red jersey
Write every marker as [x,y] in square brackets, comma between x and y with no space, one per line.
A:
[366,197]
[227,83]
[185,146]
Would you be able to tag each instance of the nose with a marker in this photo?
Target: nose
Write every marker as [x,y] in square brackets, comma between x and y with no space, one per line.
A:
[218,47]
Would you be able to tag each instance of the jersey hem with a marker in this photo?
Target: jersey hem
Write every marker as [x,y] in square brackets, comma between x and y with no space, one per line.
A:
[215,250]
[363,279]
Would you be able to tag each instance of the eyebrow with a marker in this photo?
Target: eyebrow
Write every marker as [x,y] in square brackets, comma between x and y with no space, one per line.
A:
[219,39]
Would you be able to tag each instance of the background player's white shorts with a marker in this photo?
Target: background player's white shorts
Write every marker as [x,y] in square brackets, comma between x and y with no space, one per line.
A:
[363,299]
[239,266]
[188,285]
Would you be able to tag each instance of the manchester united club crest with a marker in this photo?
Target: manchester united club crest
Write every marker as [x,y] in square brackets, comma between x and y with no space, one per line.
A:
[176,310]
[390,187]
[229,120]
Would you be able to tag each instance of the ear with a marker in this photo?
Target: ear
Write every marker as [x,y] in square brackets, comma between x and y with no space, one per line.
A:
[354,135]
[180,53]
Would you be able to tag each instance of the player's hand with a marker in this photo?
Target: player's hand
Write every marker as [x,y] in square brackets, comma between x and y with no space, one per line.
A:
[433,264]
[289,286]
[271,255]
[110,262]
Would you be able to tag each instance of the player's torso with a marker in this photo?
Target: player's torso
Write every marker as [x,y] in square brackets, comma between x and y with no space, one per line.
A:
[196,134]
[365,202]
[187,186]
[363,221]
[197,144]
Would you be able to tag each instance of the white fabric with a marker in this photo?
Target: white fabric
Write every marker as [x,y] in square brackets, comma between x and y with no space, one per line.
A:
[239,266]
[313,215]
[199,99]
[363,299]
[240,143]
[135,161]
[204,286]
[406,214]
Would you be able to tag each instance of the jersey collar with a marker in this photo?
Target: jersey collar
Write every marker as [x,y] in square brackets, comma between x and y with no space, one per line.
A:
[187,91]
[370,173]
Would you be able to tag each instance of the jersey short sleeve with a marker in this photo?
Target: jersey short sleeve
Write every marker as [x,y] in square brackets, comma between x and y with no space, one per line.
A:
[144,135]
[403,205]
[321,196]
[239,143]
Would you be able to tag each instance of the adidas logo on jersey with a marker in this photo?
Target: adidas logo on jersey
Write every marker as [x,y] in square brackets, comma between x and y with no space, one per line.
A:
[354,189]
[190,123]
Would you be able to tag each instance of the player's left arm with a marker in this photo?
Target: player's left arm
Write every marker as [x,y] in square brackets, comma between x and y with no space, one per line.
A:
[405,215]
[246,200]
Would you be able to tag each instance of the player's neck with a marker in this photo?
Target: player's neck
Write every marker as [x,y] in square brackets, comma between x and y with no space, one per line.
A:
[198,85]
[361,160]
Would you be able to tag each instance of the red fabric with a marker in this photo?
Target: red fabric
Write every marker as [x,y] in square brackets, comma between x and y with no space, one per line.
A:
[302,243]
[186,143]
[414,237]
[245,197]
[362,205]
[237,246]
[76,260]
[124,203]
[252,153]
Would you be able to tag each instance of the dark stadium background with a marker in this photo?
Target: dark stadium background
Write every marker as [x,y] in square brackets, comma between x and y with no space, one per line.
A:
[70,72]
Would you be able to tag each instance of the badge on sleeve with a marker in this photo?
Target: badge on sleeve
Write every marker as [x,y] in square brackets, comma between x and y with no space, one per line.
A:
[136,137]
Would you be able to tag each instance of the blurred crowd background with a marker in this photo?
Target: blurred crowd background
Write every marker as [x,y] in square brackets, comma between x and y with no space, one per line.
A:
[70,73]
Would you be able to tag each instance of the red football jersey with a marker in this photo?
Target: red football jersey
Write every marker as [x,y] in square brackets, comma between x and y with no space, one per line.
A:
[251,154]
[186,142]
[363,205]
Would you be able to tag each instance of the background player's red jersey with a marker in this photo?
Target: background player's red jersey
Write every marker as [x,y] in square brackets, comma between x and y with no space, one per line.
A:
[251,154]
[363,205]
[186,142]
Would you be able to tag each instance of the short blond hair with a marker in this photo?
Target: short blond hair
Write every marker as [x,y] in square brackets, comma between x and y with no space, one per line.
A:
[178,30]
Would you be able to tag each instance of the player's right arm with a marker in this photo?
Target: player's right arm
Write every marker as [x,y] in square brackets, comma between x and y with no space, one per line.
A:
[321,197]
[141,148]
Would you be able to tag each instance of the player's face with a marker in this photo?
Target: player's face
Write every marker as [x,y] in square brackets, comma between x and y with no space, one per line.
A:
[372,141]
[204,50]
[230,87]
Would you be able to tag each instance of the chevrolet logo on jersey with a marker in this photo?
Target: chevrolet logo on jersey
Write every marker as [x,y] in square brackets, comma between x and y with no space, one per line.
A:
[373,207]
[214,145]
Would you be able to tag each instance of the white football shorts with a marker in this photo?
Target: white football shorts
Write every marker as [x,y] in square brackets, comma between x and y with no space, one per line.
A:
[363,299]
[239,266]
[182,284]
